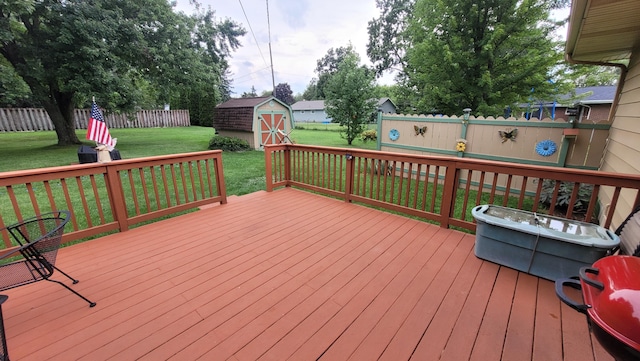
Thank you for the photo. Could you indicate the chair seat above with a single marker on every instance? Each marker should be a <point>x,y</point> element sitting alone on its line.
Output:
<point>20,273</point>
<point>39,239</point>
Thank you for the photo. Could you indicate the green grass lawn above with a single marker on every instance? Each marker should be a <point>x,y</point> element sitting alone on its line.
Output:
<point>244,171</point>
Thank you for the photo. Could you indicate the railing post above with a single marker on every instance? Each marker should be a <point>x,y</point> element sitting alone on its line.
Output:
<point>448,194</point>
<point>287,165</point>
<point>222,188</point>
<point>116,197</point>
<point>268,168</point>
<point>348,188</point>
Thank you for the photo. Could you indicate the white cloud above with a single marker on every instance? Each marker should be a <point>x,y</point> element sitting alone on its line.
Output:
<point>302,31</point>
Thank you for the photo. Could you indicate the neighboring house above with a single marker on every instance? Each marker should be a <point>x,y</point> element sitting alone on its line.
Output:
<point>259,121</point>
<point>589,104</point>
<point>607,33</point>
<point>312,111</point>
<point>386,106</point>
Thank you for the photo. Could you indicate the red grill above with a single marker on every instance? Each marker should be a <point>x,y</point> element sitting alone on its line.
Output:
<point>611,295</point>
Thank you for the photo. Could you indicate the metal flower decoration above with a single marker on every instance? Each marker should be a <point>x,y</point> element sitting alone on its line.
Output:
<point>461,145</point>
<point>546,147</point>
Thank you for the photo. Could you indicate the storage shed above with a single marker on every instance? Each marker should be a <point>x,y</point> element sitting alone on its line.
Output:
<point>259,121</point>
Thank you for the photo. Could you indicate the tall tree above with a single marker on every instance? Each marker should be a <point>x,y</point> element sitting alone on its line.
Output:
<point>311,92</point>
<point>67,51</point>
<point>328,65</point>
<point>589,75</point>
<point>349,96</point>
<point>483,55</point>
<point>251,93</point>
<point>387,40</point>
<point>284,93</point>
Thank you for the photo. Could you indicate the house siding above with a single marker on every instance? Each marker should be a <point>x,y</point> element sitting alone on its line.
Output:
<point>311,116</point>
<point>623,151</point>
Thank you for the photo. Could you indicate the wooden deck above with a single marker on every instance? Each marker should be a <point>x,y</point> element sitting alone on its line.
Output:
<point>291,275</point>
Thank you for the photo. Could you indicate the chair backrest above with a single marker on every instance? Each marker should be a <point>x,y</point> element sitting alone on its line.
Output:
<point>629,232</point>
<point>45,230</point>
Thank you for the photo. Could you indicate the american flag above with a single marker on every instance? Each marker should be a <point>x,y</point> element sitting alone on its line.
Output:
<point>97,129</point>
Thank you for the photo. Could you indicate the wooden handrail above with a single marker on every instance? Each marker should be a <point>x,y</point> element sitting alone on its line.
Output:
<point>107,197</point>
<point>445,189</point>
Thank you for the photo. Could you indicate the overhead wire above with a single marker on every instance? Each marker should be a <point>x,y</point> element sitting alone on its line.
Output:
<point>273,79</point>
<point>252,33</point>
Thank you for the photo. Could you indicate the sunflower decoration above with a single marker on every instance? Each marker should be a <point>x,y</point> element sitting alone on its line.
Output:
<point>461,145</point>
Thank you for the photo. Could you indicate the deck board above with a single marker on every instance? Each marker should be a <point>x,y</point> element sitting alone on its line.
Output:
<point>291,275</point>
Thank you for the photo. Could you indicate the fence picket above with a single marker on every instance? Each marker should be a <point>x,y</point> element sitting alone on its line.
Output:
<point>36,119</point>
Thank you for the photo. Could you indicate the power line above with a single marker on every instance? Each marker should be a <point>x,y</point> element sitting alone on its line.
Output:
<point>253,72</point>
<point>252,33</point>
<point>273,77</point>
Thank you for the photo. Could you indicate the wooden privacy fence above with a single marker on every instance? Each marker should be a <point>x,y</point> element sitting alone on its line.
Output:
<point>33,119</point>
<point>112,196</point>
<point>445,189</point>
<point>572,145</point>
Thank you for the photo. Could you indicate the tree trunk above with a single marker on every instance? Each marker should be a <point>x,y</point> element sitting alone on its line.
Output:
<point>61,113</point>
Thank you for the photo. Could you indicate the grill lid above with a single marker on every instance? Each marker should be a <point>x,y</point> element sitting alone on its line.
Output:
<point>611,288</point>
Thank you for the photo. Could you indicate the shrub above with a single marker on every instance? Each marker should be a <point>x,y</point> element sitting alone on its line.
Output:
<point>370,134</point>
<point>228,144</point>
<point>564,195</point>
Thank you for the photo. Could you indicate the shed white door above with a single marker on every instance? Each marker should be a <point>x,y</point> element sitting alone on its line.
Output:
<point>270,123</point>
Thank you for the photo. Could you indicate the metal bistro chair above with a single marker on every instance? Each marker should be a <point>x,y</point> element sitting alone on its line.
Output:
<point>629,232</point>
<point>4,355</point>
<point>39,239</point>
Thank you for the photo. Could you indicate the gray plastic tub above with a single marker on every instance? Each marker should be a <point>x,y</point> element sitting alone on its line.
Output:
<point>542,245</point>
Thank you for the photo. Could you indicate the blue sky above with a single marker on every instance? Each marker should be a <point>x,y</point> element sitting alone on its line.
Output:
<point>302,31</point>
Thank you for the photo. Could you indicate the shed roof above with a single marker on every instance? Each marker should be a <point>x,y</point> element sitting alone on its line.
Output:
<point>243,102</point>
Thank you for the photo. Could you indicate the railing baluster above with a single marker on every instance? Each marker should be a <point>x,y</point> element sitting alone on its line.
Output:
<point>523,191</point>
<point>83,198</point>
<point>612,207</point>
<point>408,185</point>
<point>393,182</point>
<point>536,199</point>
<point>134,194</point>
<point>494,186</point>
<point>573,199</point>
<point>67,198</point>
<point>417,185</point>
<point>425,187</point>
<point>480,188</point>
<point>52,200</point>
<point>554,198</point>
<point>145,191</point>
<point>434,193</point>
<point>183,179</point>
<point>465,198</point>
<point>505,199</point>
<point>593,201</point>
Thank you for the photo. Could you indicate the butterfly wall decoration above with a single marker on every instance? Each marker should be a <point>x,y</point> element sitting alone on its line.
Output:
<point>508,135</point>
<point>420,130</point>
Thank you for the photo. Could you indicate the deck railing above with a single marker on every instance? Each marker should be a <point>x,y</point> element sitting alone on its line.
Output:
<point>105,197</point>
<point>445,189</point>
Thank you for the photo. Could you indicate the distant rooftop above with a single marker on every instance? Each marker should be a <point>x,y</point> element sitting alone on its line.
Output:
<point>308,105</point>
<point>593,95</point>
